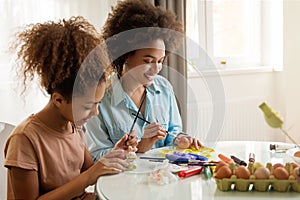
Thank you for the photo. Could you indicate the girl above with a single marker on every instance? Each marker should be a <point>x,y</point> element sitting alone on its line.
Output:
<point>45,155</point>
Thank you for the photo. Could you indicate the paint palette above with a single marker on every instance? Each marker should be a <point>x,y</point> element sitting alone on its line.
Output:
<point>204,151</point>
<point>262,185</point>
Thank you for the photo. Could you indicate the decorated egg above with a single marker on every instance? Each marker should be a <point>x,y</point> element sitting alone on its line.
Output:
<point>277,165</point>
<point>262,173</point>
<point>242,172</point>
<point>294,165</point>
<point>184,143</point>
<point>223,172</point>
<point>281,173</point>
<point>220,164</point>
<point>257,165</point>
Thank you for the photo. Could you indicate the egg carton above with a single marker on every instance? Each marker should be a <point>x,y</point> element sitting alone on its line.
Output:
<point>261,185</point>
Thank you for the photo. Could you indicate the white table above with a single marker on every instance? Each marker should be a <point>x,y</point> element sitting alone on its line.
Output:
<point>136,186</point>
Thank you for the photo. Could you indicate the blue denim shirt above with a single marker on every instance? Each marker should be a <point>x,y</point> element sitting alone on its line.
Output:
<point>115,116</point>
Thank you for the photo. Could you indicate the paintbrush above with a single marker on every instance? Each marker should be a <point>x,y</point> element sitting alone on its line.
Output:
<point>141,118</point>
<point>134,121</point>
<point>182,161</point>
<point>136,116</point>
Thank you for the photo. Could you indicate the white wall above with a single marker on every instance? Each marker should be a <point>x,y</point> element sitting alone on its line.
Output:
<point>281,90</point>
<point>243,119</point>
<point>292,65</point>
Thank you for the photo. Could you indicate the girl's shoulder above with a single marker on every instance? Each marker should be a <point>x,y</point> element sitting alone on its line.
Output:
<point>29,127</point>
<point>26,124</point>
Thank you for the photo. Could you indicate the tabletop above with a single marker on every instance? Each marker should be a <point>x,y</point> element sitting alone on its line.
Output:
<point>135,184</point>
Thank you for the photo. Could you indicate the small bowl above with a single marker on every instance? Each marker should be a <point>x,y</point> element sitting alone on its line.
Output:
<point>291,153</point>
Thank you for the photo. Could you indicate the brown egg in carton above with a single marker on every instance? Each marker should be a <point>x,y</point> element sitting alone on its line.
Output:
<point>251,182</point>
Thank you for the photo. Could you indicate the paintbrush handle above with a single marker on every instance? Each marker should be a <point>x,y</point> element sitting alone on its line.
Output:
<point>141,118</point>
<point>172,134</point>
<point>136,115</point>
<point>286,133</point>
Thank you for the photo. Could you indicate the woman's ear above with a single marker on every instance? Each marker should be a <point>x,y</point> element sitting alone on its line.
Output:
<point>57,99</point>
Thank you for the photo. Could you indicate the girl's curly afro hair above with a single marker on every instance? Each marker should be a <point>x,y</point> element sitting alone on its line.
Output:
<point>55,51</point>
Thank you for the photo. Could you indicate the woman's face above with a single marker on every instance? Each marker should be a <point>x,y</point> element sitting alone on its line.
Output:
<point>82,108</point>
<point>145,64</point>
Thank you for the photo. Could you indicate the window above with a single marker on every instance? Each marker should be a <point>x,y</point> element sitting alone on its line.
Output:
<point>235,34</point>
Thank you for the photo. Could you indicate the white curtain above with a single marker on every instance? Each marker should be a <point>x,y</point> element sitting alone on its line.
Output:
<point>15,14</point>
<point>177,72</point>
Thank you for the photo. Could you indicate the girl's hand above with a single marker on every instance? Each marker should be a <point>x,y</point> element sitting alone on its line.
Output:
<point>115,159</point>
<point>112,163</point>
<point>99,169</point>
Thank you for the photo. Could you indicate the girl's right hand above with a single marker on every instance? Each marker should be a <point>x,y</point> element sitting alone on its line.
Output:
<point>115,159</point>
<point>112,163</point>
<point>99,169</point>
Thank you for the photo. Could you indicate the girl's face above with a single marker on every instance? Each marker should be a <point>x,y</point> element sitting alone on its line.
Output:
<point>145,64</point>
<point>82,108</point>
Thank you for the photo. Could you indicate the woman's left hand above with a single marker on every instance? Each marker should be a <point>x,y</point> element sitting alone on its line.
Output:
<point>132,142</point>
<point>128,142</point>
<point>196,143</point>
<point>186,141</point>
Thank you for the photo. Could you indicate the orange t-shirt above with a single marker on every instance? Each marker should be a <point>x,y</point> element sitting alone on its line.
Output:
<point>58,158</point>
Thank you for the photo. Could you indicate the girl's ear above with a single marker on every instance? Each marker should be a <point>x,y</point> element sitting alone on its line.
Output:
<point>57,99</point>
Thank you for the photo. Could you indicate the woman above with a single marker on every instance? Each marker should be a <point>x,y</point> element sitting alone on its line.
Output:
<point>46,157</point>
<point>139,38</point>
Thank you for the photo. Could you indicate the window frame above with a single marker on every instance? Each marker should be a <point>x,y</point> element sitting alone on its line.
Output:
<point>270,45</point>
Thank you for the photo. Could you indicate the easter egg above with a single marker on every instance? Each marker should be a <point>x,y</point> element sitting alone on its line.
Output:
<point>257,165</point>
<point>262,173</point>
<point>242,172</point>
<point>277,165</point>
<point>294,165</point>
<point>184,143</point>
<point>223,172</point>
<point>281,173</point>
<point>220,164</point>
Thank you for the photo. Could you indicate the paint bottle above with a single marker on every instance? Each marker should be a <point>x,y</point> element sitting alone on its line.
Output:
<point>251,157</point>
<point>281,147</point>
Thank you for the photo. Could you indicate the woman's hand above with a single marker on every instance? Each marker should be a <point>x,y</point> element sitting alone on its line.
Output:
<point>128,142</point>
<point>152,133</point>
<point>186,141</point>
<point>195,143</point>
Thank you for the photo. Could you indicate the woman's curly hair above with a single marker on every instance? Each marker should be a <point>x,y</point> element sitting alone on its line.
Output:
<point>134,23</point>
<point>55,51</point>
